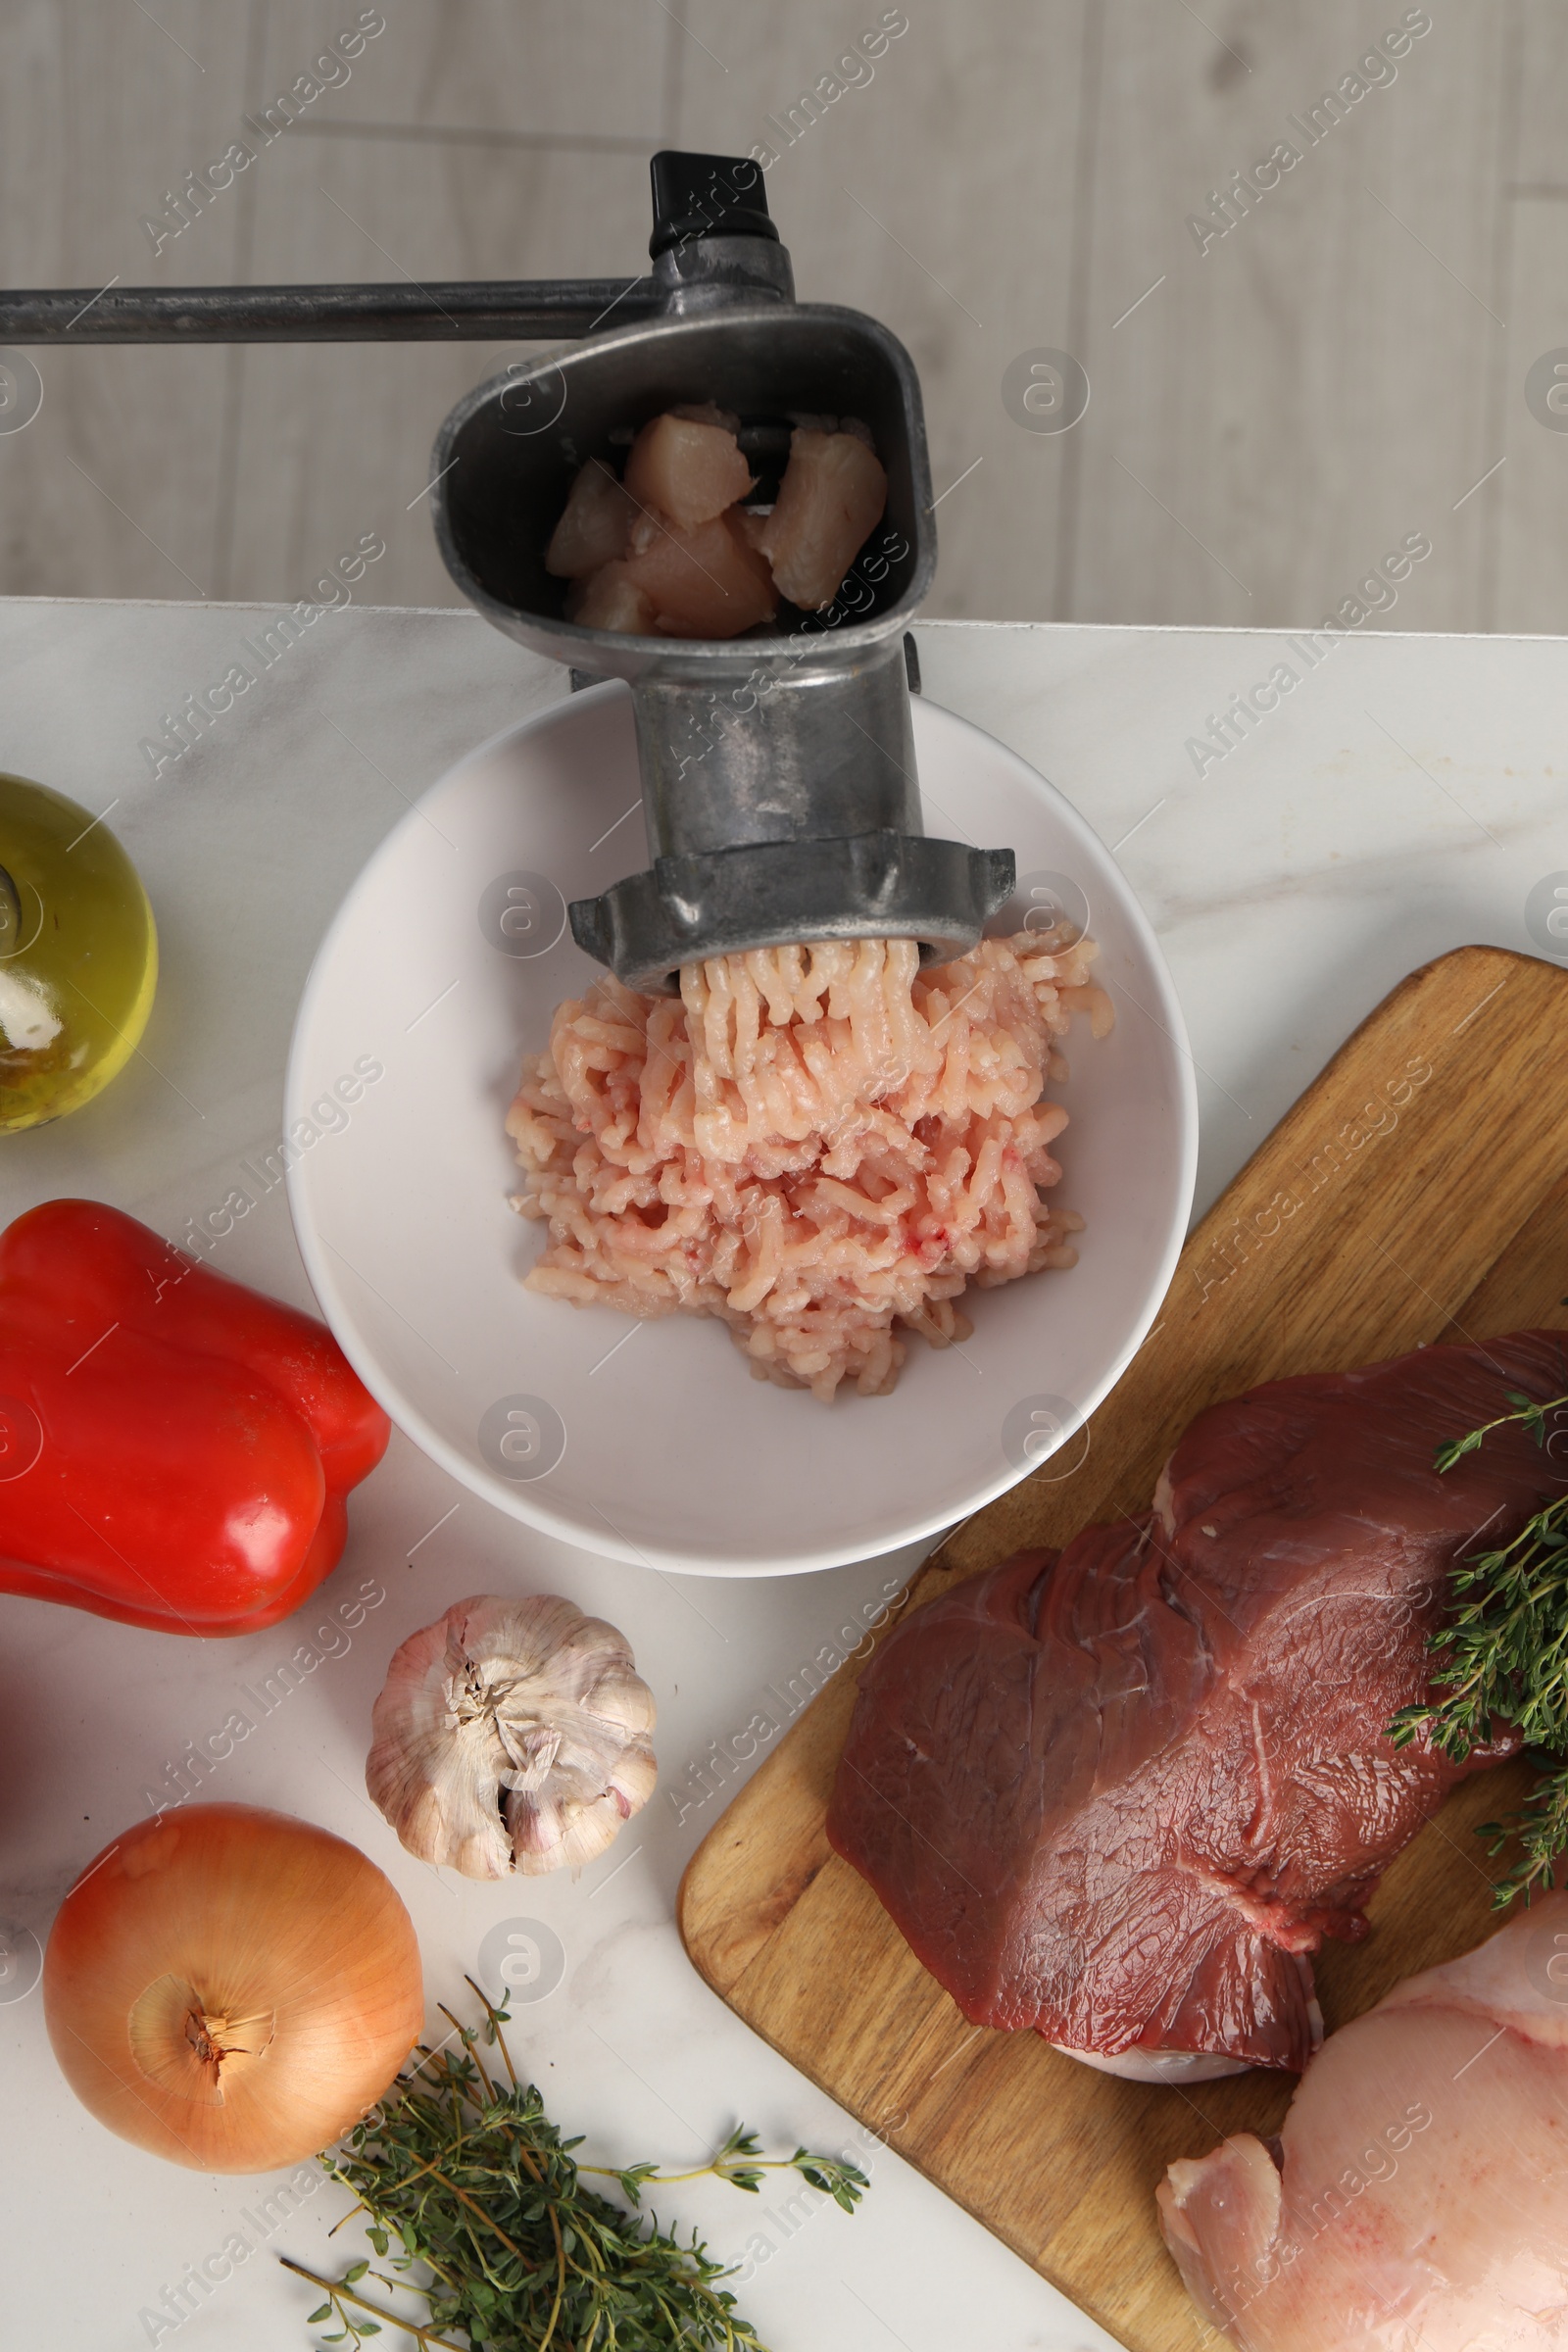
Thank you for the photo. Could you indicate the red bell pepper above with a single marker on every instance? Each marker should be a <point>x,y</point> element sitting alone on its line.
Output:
<point>175,1450</point>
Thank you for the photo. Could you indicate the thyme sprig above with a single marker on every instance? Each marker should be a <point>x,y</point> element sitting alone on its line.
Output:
<point>1503,1657</point>
<point>740,2162</point>
<point>463,2179</point>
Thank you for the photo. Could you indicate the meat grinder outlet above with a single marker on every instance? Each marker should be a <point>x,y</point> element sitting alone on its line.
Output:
<point>784,810</point>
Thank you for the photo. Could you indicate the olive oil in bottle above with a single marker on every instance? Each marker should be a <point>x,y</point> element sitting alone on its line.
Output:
<point>79,954</point>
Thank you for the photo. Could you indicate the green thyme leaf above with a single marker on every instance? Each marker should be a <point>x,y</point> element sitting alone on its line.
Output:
<point>1502,1657</point>
<point>464,2168</point>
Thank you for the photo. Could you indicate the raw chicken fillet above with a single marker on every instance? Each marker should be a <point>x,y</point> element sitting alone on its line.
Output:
<point>1121,1794</point>
<point>1420,2199</point>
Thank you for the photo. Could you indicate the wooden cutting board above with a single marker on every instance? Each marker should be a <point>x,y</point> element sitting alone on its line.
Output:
<point>1417,1192</point>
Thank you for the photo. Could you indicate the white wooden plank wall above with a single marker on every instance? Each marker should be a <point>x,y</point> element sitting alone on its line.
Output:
<point>1344,366</point>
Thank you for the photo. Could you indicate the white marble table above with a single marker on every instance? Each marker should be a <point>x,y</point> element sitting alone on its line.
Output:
<point>1404,796</point>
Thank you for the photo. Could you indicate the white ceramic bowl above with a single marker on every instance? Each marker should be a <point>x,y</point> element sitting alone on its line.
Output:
<point>651,1442</point>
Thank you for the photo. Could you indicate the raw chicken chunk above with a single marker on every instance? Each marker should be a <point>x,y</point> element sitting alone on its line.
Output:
<point>593,527</point>
<point>1420,2199</point>
<point>611,600</point>
<point>833,493</point>
<point>1121,1795</point>
<point>686,470</point>
<point>708,411</point>
<point>704,582</point>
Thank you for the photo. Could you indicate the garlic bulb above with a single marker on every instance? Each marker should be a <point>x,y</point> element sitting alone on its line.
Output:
<point>511,1735</point>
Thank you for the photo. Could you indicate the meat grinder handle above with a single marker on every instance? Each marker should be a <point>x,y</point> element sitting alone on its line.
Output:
<point>697,198</point>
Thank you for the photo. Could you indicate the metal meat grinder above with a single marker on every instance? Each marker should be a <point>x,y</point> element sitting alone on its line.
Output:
<point>778,772</point>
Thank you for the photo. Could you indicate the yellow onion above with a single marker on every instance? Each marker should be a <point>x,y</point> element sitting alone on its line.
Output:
<point>230,1988</point>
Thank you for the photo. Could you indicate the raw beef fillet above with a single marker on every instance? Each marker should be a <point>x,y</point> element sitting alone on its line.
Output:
<point>1120,1794</point>
<point>1421,2193</point>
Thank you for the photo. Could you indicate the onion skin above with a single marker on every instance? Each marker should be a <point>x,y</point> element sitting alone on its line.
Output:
<point>283,1929</point>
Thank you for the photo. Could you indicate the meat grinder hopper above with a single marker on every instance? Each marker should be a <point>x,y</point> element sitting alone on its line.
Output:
<point>778,767</point>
